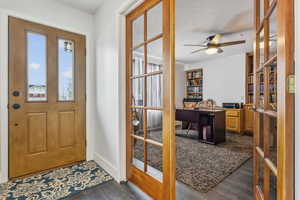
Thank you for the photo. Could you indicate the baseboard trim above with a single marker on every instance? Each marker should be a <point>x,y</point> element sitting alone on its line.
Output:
<point>107,166</point>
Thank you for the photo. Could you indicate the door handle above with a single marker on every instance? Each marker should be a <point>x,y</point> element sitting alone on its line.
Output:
<point>16,106</point>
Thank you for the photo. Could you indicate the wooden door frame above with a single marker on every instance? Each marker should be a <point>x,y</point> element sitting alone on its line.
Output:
<point>285,100</point>
<point>4,38</point>
<point>169,147</point>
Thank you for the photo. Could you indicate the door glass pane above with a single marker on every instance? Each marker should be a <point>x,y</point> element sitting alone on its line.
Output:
<point>138,31</point>
<point>273,34</point>
<point>154,161</point>
<point>154,21</point>
<point>261,7</point>
<point>138,153</point>
<point>154,56</point>
<point>261,48</point>
<point>138,61</point>
<point>36,67</point>
<point>261,90</point>
<point>138,122</point>
<point>273,86</point>
<point>261,131</point>
<point>138,91</point>
<point>261,174</point>
<point>154,125</point>
<point>155,90</point>
<point>65,70</point>
<point>273,141</point>
<point>273,186</point>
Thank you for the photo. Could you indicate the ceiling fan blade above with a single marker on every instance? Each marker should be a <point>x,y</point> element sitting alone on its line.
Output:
<point>216,39</point>
<point>230,43</point>
<point>199,50</point>
<point>195,45</point>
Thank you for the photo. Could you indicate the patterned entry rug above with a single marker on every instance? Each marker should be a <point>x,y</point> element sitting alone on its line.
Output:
<point>198,165</point>
<point>56,184</point>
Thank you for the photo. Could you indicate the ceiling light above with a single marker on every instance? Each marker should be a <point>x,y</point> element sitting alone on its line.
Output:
<point>211,51</point>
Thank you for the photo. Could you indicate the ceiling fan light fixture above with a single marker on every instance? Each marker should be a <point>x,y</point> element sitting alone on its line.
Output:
<point>211,51</point>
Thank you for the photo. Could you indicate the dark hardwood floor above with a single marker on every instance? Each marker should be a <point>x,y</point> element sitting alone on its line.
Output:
<point>237,186</point>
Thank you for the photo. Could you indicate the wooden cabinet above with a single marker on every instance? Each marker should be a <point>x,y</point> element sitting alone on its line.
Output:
<point>249,118</point>
<point>235,120</point>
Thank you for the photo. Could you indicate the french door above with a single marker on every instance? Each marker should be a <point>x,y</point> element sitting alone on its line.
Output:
<point>46,97</point>
<point>274,100</point>
<point>150,98</point>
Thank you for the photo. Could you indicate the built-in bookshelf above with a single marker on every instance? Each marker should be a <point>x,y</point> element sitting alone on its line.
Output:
<point>261,99</point>
<point>194,84</point>
<point>249,79</point>
<point>273,86</point>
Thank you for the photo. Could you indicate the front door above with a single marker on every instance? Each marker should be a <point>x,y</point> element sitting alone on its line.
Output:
<point>46,97</point>
<point>274,100</point>
<point>150,98</point>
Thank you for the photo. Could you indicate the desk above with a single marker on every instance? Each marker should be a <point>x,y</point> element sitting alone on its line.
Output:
<point>215,119</point>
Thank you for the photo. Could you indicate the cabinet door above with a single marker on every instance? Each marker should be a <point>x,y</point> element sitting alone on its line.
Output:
<point>249,119</point>
<point>232,123</point>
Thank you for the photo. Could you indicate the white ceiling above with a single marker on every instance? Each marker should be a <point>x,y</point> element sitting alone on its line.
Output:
<point>198,19</point>
<point>89,6</point>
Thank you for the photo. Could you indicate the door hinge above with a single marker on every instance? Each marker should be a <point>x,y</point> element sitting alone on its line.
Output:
<point>291,84</point>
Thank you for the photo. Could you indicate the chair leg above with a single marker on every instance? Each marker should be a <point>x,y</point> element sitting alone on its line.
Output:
<point>189,128</point>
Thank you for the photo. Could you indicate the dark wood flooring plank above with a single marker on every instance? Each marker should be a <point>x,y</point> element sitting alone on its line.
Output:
<point>237,186</point>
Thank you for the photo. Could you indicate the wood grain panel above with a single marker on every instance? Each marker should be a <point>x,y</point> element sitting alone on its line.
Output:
<point>66,129</point>
<point>42,141</point>
<point>37,132</point>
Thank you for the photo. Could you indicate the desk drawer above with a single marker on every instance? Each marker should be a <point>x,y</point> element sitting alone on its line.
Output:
<point>233,113</point>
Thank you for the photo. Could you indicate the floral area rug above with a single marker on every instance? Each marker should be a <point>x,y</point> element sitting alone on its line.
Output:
<point>198,165</point>
<point>56,184</point>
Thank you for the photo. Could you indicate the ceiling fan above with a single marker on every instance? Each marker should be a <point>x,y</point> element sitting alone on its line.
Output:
<point>212,46</point>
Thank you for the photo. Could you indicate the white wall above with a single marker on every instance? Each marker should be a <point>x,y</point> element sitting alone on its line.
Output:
<point>223,78</point>
<point>50,13</point>
<point>108,89</point>
<point>180,84</point>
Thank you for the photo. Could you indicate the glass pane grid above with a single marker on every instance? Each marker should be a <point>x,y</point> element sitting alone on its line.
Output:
<point>146,79</point>
<point>154,21</point>
<point>266,93</point>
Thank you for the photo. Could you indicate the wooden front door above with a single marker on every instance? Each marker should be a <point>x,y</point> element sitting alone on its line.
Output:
<point>274,100</point>
<point>150,98</point>
<point>46,97</point>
